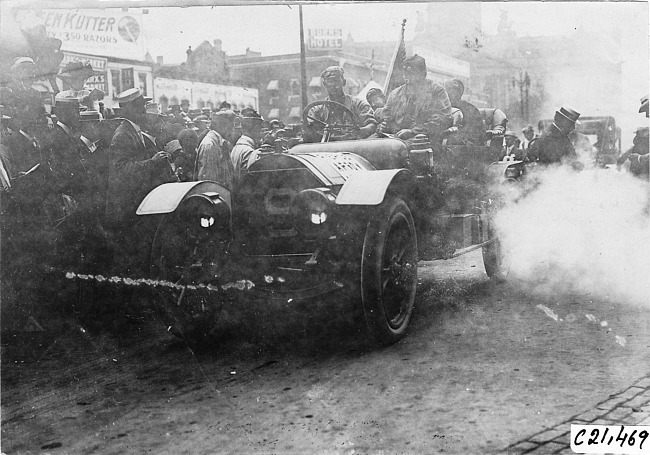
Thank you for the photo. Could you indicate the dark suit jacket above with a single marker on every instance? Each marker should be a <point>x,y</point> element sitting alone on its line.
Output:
<point>132,172</point>
<point>552,147</point>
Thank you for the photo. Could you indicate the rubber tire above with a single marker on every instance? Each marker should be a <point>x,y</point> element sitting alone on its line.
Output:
<point>191,316</point>
<point>387,319</point>
<point>495,261</point>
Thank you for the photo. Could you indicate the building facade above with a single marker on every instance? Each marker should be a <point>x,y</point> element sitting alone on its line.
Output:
<point>197,94</point>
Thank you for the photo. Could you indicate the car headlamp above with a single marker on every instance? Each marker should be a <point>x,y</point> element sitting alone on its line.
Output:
<point>206,213</point>
<point>311,210</point>
<point>512,172</point>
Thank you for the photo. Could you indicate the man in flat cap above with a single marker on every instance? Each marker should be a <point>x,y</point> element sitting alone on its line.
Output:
<point>529,137</point>
<point>74,77</point>
<point>333,79</point>
<point>554,146</point>
<point>248,142</point>
<point>213,160</point>
<point>638,155</point>
<point>377,101</point>
<point>419,106</point>
<point>202,125</point>
<point>136,166</point>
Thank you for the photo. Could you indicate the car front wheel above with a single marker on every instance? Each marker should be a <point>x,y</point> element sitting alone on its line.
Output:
<point>389,271</point>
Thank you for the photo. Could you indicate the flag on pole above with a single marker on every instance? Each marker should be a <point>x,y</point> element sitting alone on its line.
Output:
<point>395,77</point>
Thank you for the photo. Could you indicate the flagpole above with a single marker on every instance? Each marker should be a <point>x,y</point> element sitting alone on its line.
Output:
<point>392,62</point>
<point>303,62</point>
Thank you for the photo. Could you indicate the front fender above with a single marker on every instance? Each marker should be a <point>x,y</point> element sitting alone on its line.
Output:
<point>166,197</point>
<point>369,188</point>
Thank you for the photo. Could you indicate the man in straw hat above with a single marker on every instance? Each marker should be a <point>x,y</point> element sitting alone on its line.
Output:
<point>554,146</point>
<point>136,165</point>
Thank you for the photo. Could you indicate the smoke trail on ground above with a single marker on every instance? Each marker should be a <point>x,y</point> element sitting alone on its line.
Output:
<point>583,231</point>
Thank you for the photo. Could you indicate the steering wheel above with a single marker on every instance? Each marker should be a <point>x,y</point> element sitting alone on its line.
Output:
<point>326,129</point>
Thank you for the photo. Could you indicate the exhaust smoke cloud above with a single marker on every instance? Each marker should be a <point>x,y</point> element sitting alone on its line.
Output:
<point>586,232</point>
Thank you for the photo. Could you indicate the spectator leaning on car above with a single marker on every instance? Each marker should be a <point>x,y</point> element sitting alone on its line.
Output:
<point>136,166</point>
<point>213,161</point>
<point>243,153</point>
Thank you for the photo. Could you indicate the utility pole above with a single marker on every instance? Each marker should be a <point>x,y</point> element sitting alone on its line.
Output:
<point>523,81</point>
<point>303,62</point>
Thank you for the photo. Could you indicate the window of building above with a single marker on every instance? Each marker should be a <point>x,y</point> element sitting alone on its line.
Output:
<point>127,78</point>
<point>295,87</point>
<point>116,84</point>
<point>142,83</point>
<point>295,113</point>
<point>274,113</point>
<point>164,103</point>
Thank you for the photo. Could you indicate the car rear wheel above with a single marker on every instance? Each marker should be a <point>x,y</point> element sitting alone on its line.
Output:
<point>389,271</point>
<point>495,259</point>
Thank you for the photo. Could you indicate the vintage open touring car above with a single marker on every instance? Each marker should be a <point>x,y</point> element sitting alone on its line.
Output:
<point>352,216</point>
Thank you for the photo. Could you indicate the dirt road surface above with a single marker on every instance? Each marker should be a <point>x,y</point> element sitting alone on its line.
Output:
<point>484,365</point>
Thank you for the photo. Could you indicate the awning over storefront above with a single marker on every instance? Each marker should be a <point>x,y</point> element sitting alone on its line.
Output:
<point>351,82</point>
<point>273,85</point>
<point>274,113</point>
<point>295,112</point>
<point>315,81</point>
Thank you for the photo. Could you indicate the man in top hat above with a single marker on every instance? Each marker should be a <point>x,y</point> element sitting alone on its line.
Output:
<point>243,151</point>
<point>644,106</point>
<point>333,79</point>
<point>74,77</point>
<point>554,146</point>
<point>213,160</point>
<point>472,128</point>
<point>136,166</point>
<point>418,106</point>
<point>177,115</point>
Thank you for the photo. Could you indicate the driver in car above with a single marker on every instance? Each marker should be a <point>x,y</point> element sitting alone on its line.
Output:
<point>343,126</point>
